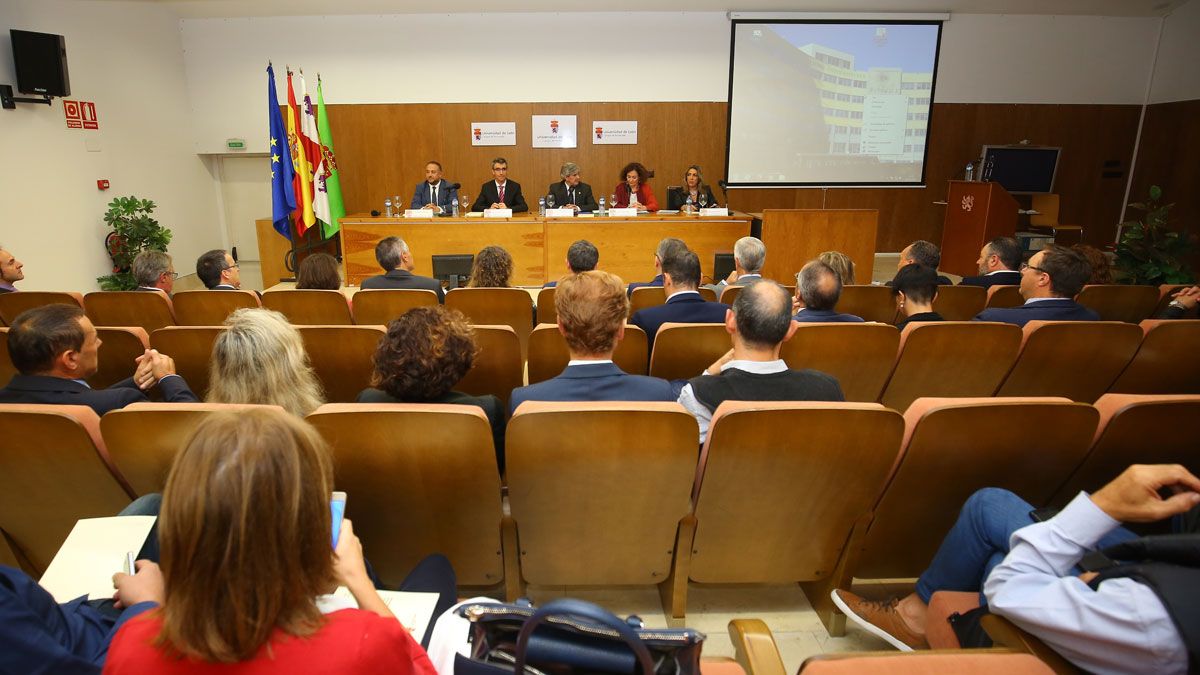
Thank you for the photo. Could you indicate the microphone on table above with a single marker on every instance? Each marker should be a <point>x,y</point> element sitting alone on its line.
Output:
<point>454,186</point>
<point>723,184</point>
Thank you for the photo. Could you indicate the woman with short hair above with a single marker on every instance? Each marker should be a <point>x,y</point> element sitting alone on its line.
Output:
<point>915,290</point>
<point>318,271</point>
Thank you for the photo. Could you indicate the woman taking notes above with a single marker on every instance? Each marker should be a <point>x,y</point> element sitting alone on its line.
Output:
<point>633,190</point>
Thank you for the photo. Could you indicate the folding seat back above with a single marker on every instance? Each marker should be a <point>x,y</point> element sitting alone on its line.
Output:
<point>119,347</point>
<point>548,354</point>
<point>872,303</point>
<point>684,350</point>
<point>952,662</point>
<point>860,355</point>
<point>341,357</point>
<point>953,447</point>
<point>546,313</point>
<point>1166,362</point>
<point>379,307</point>
<point>7,369</point>
<point>1075,359</point>
<point>512,307</point>
<point>960,303</point>
<point>730,293</point>
<point>1004,296</point>
<point>150,310</point>
<point>1120,302</point>
<point>419,479</point>
<point>13,304</point>
<point>56,471</point>
<point>646,296</point>
<point>968,358</point>
<point>191,348</point>
<point>498,366</point>
<point>210,308</point>
<point>310,307</point>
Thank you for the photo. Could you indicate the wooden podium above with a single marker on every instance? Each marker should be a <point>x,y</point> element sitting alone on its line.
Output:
<point>795,236</point>
<point>976,213</point>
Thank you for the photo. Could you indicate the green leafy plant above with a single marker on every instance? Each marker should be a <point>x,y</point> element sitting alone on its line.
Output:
<point>1149,251</point>
<point>133,230</point>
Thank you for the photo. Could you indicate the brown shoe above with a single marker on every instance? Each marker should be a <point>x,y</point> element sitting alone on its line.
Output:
<point>879,618</point>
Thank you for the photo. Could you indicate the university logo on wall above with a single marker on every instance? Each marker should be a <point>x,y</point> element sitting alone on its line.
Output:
<point>599,133</point>
<point>553,131</point>
<point>614,132</point>
<point>968,202</point>
<point>554,126</point>
<point>478,134</point>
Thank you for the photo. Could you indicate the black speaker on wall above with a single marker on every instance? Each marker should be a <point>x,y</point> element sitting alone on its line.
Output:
<point>41,63</point>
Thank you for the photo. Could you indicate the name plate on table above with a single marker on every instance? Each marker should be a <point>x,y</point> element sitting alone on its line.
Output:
<point>498,213</point>
<point>714,211</point>
<point>560,213</point>
<point>418,213</point>
<point>622,213</point>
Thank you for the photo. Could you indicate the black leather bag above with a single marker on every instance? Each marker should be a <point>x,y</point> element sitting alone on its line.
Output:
<point>572,637</point>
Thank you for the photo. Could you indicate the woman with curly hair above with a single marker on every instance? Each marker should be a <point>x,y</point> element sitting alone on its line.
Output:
<point>261,359</point>
<point>492,269</point>
<point>633,189</point>
<point>424,354</point>
<point>1101,267</point>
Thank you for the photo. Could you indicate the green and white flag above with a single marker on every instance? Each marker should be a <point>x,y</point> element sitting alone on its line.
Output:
<point>327,192</point>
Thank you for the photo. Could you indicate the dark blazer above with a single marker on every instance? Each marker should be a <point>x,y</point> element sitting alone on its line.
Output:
<point>61,391</point>
<point>488,195</point>
<point>677,198</point>
<point>690,308</point>
<point>1057,309</point>
<point>404,280</point>
<point>446,195</point>
<point>598,382</point>
<point>222,287</point>
<point>942,280</point>
<point>6,290</point>
<point>806,315</point>
<point>490,404</point>
<point>656,281</point>
<point>919,317</point>
<point>1004,278</point>
<point>583,196</point>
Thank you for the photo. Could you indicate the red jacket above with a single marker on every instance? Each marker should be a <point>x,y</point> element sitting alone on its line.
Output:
<point>645,196</point>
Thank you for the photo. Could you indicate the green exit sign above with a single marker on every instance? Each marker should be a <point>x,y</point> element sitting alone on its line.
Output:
<point>235,144</point>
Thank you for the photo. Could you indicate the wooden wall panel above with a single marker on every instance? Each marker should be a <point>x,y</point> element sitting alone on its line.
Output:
<point>1169,156</point>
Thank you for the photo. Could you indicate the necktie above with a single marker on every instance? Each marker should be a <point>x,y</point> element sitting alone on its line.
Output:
<point>433,195</point>
<point>571,195</point>
<point>501,194</point>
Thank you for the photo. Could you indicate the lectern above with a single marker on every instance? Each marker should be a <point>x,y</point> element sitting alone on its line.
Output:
<point>976,213</point>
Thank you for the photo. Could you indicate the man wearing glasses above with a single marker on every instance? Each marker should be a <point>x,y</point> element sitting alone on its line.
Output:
<point>500,192</point>
<point>154,271</point>
<point>219,271</point>
<point>1049,283</point>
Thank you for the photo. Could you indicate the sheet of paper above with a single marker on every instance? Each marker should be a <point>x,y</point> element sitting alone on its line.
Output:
<point>92,553</point>
<point>414,610</point>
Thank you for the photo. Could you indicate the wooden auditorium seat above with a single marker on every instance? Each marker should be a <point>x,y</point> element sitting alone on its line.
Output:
<point>546,313</point>
<point>860,355</point>
<point>341,357</point>
<point>1075,359</point>
<point>598,490</point>
<point>7,369</point>
<point>143,438</point>
<point>548,354</point>
<point>782,491</point>
<point>1167,361</point>
<point>960,303</point>
<point>1004,296</point>
<point>1119,302</point>
<point>938,631</point>
<point>13,304</point>
<point>149,309</point>
<point>379,307</point>
<point>512,307</point>
<point>953,447</point>
<point>310,307</point>
<point>498,367</point>
<point>421,479</point>
<point>119,347</point>
<point>56,471</point>
<point>730,293</point>
<point>951,662</point>
<point>210,308</point>
<point>191,347</point>
<point>937,358</point>
<point>684,350</point>
<point>871,303</point>
<point>649,296</point>
<point>754,647</point>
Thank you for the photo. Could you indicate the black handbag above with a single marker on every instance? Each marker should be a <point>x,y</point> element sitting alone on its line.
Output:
<point>572,637</point>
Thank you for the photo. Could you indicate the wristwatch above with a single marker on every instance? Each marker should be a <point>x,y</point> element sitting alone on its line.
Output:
<point>1177,305</point>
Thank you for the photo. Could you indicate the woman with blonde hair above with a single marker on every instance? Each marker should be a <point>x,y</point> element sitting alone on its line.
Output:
<point>841,263</point>
<point>493,268</point>
<point>260,358</point>
<point>248,566</point>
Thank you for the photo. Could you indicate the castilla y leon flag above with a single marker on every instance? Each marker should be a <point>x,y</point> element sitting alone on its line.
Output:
<point>303,176</point>
<point>327,188</point>
<point>283,197</point>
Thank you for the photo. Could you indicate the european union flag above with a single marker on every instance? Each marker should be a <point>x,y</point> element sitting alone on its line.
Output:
<point>283,198</point>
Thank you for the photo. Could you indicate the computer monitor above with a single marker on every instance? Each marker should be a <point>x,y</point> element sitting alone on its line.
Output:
<point>722,266</point>
<point>1021,169</point>
<point>453,270</point>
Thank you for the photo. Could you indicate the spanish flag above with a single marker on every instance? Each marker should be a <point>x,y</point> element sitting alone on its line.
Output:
<point>302,182</point>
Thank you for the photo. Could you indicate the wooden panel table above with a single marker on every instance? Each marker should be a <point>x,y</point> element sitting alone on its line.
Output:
<point>795,236</point>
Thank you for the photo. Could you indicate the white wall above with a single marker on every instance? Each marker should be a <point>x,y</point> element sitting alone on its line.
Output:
<point>1177,72</point>
<point>127,58</point>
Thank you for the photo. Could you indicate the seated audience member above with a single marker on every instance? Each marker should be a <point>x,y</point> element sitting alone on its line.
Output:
<point>582,256</point>
<point>681,278</point>
<point>10,271</point>
<point>55,348</point>
<point>434,193</point>
<point>999,264</point>
<point>218,271</point>
<point>923,253</point>
<point>571,192</point>
<point>425,353</point>
<point>591,309</point>
<point>1184,301</point>
<point>633,191</point>
<point>154,271</point>
<point>318,271</point>
<point>915,290</point>
<point>758,324</point>
<point>396,259</point>
<point>818,288</point>
<point>841,263</point>
<point>248,569</point>
<point>500,193</point>
<point>1101,267</point>
<point>693,187</point>
<point>667,247</point>
<point>493,268</point>
<point>749,254</point>
<point>1123,620</point>
<point>1049,283</point>
<point>261,359</point>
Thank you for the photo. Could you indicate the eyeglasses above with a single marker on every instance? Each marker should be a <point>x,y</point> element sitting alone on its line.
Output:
<point>234,266</point>
<point>1027,266</point>
<point>173,275</point>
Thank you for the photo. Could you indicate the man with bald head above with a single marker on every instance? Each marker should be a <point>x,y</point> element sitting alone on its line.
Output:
<point>758,324</point>
<point>818,287</point>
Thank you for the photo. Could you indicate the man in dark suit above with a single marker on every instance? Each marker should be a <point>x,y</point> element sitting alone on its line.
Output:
<point>758,324</point>
<point>55,348</point>
<point>571,193</point>
<point>500,193</point>
<point>667,247</point>
<point>582,256</point>
<point>393,256</point>
<point>154,271</point>
<point>1049,284</point>
<point>218,271</point>
<point>681,278</point>
<point>818,288</point>
<point>434,193</point>
<point>999,263</point>
<point>10,271</point>
<point>924,253</point>
<point>591,309</point>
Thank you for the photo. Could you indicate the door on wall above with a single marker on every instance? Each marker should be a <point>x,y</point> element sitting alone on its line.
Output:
<point>246,193</point>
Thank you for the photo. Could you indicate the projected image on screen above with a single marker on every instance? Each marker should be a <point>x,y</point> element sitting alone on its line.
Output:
<point>830,103</point>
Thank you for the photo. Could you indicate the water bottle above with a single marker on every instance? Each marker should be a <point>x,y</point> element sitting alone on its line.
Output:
<point>387,207</point>
<point>987,170</point>
<point>454,207</point>
<point>602,209</point>
<point>970,173</point>
<point>687,208</point>
<point>542,207</point>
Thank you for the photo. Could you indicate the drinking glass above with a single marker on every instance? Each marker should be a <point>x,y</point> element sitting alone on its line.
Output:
<point>703,200</point>
<point>549,201</point>
<point>612,199</point>
<point>466,203</point>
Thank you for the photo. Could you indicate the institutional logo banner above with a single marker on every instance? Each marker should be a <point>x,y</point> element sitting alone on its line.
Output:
<point>554,131</point>
<point>493,133</point>
<point>613,132</point>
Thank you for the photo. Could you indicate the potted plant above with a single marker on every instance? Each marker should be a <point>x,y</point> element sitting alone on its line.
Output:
<point>133,230</point>
<point>1149,252</point>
